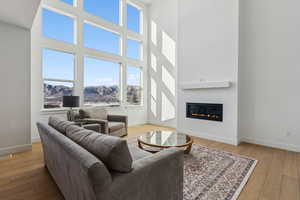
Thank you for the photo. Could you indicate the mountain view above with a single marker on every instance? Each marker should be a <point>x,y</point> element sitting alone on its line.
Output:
<point>93,95</point>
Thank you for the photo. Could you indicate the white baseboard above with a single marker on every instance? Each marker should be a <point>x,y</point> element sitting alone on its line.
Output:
<point>14,149</point>
<point>289,147</point>
<point>211,137</point>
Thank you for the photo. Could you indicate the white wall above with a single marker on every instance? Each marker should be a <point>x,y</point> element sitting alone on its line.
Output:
<point>15,87</point>
<point>20,13</point>
<point>162,102</point>
<point>269,73</point>
<point>208,49</point>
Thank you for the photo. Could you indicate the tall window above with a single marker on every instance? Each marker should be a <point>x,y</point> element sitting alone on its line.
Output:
<point>105,9</point>
<point>58,26</point>
<point>89,50</point>
<point>100,39</point>
<point>134,18</point>
<point>134,49</point>
<point>134,85</point>
<point>101,82</point>
<point>58,74</point>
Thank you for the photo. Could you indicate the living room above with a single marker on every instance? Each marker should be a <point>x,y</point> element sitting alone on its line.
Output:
<point>207,87</point>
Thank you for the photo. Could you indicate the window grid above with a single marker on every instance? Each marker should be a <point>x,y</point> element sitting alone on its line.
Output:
<point>80,17</point>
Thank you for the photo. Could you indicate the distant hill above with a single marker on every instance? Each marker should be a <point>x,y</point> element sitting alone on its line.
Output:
<point>92,95</point>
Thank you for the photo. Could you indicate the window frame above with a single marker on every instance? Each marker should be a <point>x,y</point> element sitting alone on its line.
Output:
<point>141,25</point>
<point>60,12</point>
<point>80,17</point>
<point>73,5</point>
<point>57,79</point>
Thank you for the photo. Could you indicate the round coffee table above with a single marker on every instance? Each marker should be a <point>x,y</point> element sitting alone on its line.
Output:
<point>156,141</point>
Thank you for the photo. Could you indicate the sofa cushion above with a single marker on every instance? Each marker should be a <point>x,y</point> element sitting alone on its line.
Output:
<point>59,124</point>
<point>112,151</point>
<point>114,126</point>
<point>94,113</point>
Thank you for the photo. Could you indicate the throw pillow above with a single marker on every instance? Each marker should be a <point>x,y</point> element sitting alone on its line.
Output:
<point>59,124</point>
<point>112,151</point>
<point>93,113</point>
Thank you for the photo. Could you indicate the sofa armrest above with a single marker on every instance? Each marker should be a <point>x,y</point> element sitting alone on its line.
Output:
<point>159,176</point>
<point>103,123</point>
<point>118,118</point>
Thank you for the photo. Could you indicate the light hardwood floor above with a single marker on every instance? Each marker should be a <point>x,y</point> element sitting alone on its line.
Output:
<point>276,177</point>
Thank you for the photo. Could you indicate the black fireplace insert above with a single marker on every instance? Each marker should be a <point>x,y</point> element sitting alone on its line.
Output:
<point>205,111</point>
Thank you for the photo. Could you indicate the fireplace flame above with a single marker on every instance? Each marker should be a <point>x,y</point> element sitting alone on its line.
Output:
<point>204,115</point>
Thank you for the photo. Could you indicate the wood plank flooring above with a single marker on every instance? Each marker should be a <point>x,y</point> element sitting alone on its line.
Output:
<point>276,177</point>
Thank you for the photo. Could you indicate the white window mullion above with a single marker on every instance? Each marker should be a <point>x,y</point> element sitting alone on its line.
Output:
<point>124,32</point>
<point>58,80</point>
<point>121,93</point>
<point>124,83</point>
<point>79,78</point>
<point>144,27</point>
<point>79,81</point>
<point>124,51</point>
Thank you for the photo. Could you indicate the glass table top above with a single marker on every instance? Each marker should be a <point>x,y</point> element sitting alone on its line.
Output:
<point>164,138</point>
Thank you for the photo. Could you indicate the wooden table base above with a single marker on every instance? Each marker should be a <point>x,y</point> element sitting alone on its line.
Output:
<point>188,147</point>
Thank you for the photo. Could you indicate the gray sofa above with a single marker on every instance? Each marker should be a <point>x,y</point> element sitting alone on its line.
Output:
<point>91,166</point>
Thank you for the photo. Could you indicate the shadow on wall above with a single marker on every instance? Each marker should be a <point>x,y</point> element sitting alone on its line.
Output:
<point>162,75</point>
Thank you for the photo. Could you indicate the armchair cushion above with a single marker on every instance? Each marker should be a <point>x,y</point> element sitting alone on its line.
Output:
<point>112,151</point>
<point>59,124</point>
<point>94,113</point>
<point>114,126</point>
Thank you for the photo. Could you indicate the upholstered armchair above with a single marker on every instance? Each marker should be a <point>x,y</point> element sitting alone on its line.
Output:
<point>73,116</point>
<point>115,125</point>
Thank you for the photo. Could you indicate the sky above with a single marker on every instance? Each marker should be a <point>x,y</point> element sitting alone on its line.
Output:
<point>59,65</point>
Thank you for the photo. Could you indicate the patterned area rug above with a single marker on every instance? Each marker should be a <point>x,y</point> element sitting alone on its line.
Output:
<point>211,174</point>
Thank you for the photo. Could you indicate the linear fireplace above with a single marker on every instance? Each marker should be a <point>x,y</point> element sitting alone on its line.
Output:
<point>205,111</point>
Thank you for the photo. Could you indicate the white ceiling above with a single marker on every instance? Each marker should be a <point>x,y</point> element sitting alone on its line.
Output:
<point>19,12</point>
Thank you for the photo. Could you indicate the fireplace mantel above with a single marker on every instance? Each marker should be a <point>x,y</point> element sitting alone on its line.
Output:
<point>205,85</point>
